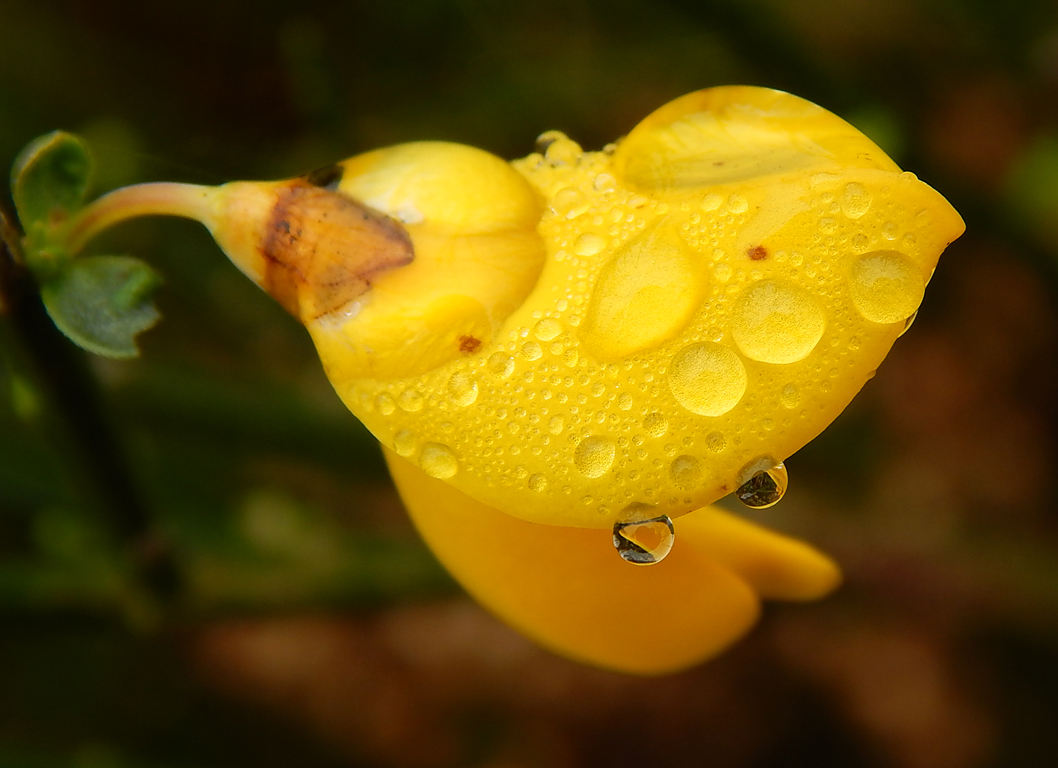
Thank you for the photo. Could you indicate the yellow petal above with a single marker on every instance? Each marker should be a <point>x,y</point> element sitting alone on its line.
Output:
<point>568,589</point>
<point>712,293</point>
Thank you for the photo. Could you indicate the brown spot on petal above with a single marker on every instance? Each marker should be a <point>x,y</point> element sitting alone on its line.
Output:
<point>468,344</point>
<point>757,253</point>
<point>322,249</point>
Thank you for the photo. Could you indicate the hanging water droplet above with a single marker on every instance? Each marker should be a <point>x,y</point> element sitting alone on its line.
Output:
<point>765,487</point>
<point>644,542</point>
<point>886,286</point>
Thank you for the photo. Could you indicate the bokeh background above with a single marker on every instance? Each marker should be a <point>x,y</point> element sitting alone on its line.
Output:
<point>202,561</point>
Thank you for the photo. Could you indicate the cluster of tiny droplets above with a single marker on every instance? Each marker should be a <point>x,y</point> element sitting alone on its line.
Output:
<point>539,412</point>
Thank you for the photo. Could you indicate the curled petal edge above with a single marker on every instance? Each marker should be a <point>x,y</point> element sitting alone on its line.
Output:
<point>569,591</point>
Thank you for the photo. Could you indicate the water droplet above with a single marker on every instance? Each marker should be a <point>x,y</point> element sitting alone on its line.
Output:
<point>711,202</point>
<point>604,182</point>
<point>886,286</point>
<point>588,244</point>
<point>765,486</point>
<point>385,405</point>
<point>569,201</point>
<point>737,204</point>
<point>571,357</point>
<point>462,388</point>
<point>774,321</point>
<point>644,295</point>
<point>598,389</point>
<point>855,200</point>
<point>656,425</point>
<point>438,461</point>
<point>500,364</point>
<point>716,441</point>
<point>790,396</point>
<point>644,542</point>
<point>547,329</point>
<point>404,443</point>
<point>594,456</point>
<point>890,230</point>
<point>624,402</point>
<point>556,424</point>
<point>410,401</point>
<point>558,149</point>
<point>908,323</point>
<point>532,351</point>
<point>707,379</point>
<point>537,483</point>
<point>686,472</point>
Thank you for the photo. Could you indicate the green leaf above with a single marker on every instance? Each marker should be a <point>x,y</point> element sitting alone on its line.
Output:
<point>102,302</point>
<point>49,178</point>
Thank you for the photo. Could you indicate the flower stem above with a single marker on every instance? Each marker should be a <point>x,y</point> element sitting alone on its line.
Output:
<point>162,198</point>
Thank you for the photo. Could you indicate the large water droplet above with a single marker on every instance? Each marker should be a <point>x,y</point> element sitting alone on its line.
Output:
<point>686,472</point>
<point>886,286</point>
<point>410,401</point>
<point>462,388</point>
<point>644,542</point>
<point>500,364</point>
<point>707,379</point>
<point>547,329</point>
<point>588,244</point>
<point>438,461</point>
<point>537,483</point>
<point>644,295</point>
<point>774,321</point>
<point>765,486</point>
<point>855,200</point>
<point>594,455</point>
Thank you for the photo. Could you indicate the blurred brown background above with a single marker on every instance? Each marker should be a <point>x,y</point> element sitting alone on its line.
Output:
<point>220,575</point>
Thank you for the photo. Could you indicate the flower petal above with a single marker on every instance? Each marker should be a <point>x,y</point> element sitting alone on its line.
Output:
<point>569,590</point>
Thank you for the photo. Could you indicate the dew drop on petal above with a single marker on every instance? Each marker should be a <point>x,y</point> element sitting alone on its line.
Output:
<point>462,388</point>
<point>385,405</point>
<point>886,286</point>
<point>547,329</point>
<point>686,472</point>
<point>404,443</point>
<point>537,483</point>
<point>765,485</point>
<point>644,541</point>
<point>500,364</point>
<point>437,460</point>
<point>588,244</point>
<point>775,321</point>
<point>410,401</point>
<point>707,379</point>
<point>908,323</point>
<point>855,200</point>
<point>594,456</point>
<point>656,425</point>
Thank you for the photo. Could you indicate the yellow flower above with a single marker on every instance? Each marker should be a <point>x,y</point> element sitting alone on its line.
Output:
<point>583,350</point>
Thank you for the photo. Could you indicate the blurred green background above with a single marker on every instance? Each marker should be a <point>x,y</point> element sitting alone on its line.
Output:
<point>202,562</point>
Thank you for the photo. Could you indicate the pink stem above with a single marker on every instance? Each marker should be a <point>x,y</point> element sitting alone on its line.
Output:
<point>162,198</point>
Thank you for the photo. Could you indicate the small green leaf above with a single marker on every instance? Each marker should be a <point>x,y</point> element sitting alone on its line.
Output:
<point>50,177</point>
<point>102,302</point>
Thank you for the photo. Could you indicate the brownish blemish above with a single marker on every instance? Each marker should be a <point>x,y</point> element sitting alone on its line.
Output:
<point>468,344</point>
<point>757,252</point>
<point>723,488</point>
<point>321,249</point>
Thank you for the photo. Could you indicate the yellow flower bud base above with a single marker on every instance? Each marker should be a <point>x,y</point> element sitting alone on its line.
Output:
<point>712,293</point>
